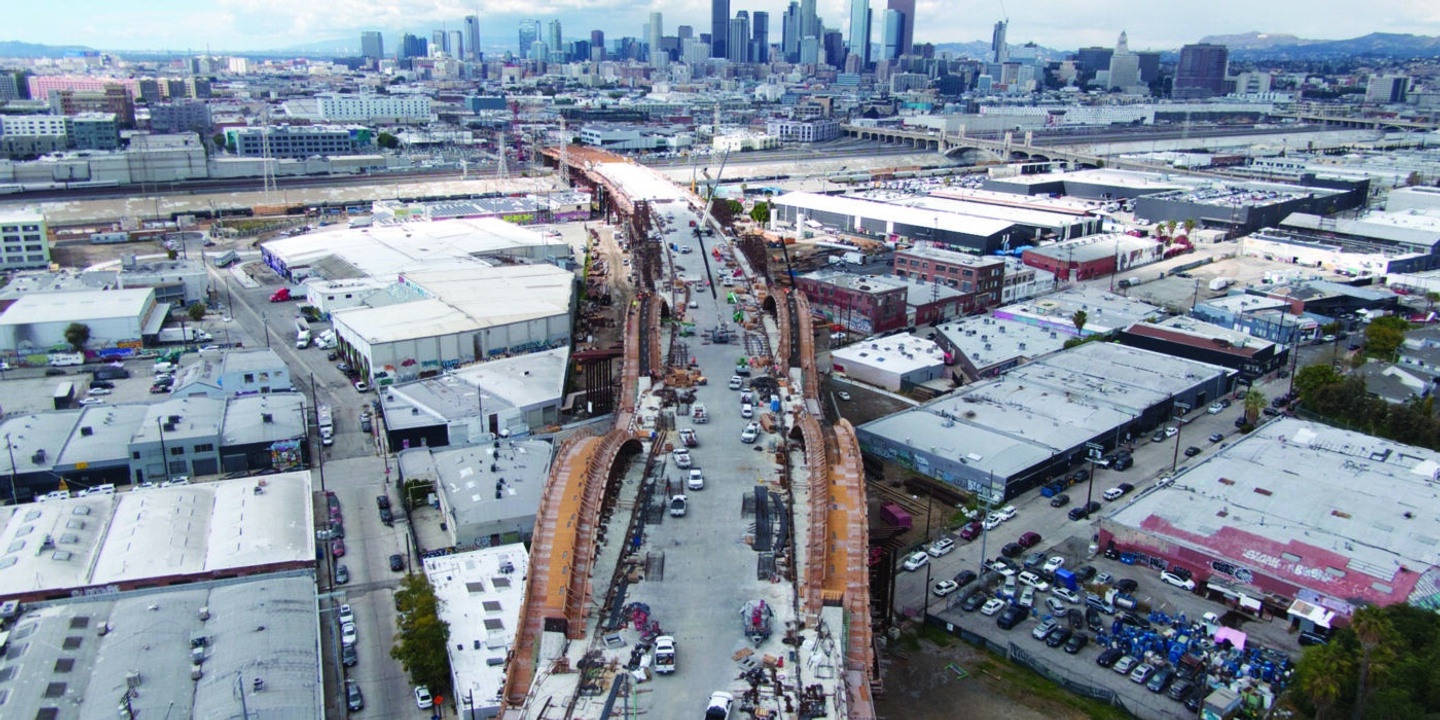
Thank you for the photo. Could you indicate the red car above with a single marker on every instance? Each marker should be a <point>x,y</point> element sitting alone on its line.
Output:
<point>971,531</point>
<point>1029,539</point>
<point>337,548</point>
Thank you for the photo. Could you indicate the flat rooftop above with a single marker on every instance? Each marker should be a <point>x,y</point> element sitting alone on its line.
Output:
<point>917,217</point>
<point>520,382</point>
<point>480,594</point>
<point>132,539</point>
<point>471,476</point>
<point>1005,213</point>
<point>1350,515</point>
<point>1144,183</point>
<point>387,249</point>
<point>463,300</point>
<point>1052,405</point>
<point>263,629</point>
<point>1095,247</point>
<point>1202,333</point>
<point>987,341</point>
<point>77,305</point>
<point>1104,311</point>
<point>898,354</point>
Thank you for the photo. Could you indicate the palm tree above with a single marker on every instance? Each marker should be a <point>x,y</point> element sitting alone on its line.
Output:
<point>1080,318</point>
<point>1254,403</point>
<point>1320,681</point>
<point>1189,226</point>
<point>1377,640</point>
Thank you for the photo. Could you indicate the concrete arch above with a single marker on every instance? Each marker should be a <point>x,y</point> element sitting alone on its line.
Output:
<point>1019,156</point>
<point>768,305</point>
<point>664,309</point>
<point>1039,158</point>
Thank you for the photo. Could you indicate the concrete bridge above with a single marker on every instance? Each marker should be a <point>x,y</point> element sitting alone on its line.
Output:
<point>1362,123</point>
<point>962,146</point>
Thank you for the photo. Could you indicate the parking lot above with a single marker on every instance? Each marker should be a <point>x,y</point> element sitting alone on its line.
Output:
<point>1071,542</point>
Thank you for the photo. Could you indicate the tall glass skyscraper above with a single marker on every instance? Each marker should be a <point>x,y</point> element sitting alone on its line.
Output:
<point>719,27</point>
<point>859,40</point>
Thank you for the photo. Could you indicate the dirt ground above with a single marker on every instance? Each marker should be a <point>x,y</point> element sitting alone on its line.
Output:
<point>924,685</point>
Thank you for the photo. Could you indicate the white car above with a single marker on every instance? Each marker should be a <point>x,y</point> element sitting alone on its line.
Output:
<point>943,546</point>
<point>92,401</point>
<point>750,433</point>
<point>678,505</point>
<point>719,706</point>
<point>696,480</point>
<point>348,634</point>
<point>176,481</point>
<point>843,395</point>
<point>1054,563</point>
<point>992,521</point>
<point>1179,580</point>
<point>1171,431</point>
<point>99,391</point>
<point>1066,594</point>
<point>992,606</point>
<point>747,410</point>
<point>1056,605</point>
<point>1215,409</point>
<point>1033,580</point>
<point>1113,494</point>
<point>1002,568</point>
<point>422,698</point>
<point>1006,513</point>
<point>682,458</point>
<point>916,560</point>
<point>347,616</point>
<point>945,587</point>
<point>735,382</point>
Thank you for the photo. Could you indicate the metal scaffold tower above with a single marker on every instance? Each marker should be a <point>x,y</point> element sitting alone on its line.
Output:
<point>267,162</point>
<point>564,174</point>
<point>502,171</point>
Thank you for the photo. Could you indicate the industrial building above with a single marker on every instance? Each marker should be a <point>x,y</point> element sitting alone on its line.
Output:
<point>984,347</point>
<point>1193,339</point>
<point>386,250</point>
<point>870,304</point>
<point>514,397</point>
<point>981,276</point>
<point>24,241</point>
<point>896,363</point>
<point>1105,312</point>
<point>35,324</point>
<point>1354,528</point>
<point>298,141</point>
<point>217,649</point>
<point>133,443</point>
<point>1375,243</point>
<point>480,594</point>
<point>488,493</point>
<point>1039,223</point>
<point>1265,318</point>
<point>234,372</point>
<point>1094,256</point>
<point>126,541</point>
<point>453,316</point>
<point>556,207</point>
<point>965,233</point>
<point>1001,437</point>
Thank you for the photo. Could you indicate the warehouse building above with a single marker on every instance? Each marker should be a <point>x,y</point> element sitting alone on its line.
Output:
<point>386,250</point>
<point>480,595</point>
<point>488,493</point>
<point>896,363</point>
<point>24,241</point>
<point>1266,318</point>
<point>1375,243</point>
<point>298,141</point>
<point>1356,527</point>
<point>126,541</point>
<point>35,324</point>
<point>1095,256</point>
<point>985,347</point>
<point>1105,312</point>
<point>980,276</point>
<point>999,438</point>
<point>234,372</point>
<point>965,233</point>
<point>1193,339</point>
<point>84,657</point>
<point>511,397</point>
<point>458,316</point>
<point>1038,224</point>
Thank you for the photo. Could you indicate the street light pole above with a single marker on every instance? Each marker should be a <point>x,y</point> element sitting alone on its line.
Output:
<point>929,511</point>
<point>14,496</point>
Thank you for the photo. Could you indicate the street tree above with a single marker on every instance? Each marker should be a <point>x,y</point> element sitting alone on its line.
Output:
<point>1079,319</point>
<point>196,311</point>
<point>421,646</point>
<point>77,334</point>
<point>1254,403</point>
<point>1313,377</point>
<point>1384,335</point>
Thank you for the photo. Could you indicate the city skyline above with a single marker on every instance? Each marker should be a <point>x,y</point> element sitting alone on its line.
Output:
<point>270,25</point>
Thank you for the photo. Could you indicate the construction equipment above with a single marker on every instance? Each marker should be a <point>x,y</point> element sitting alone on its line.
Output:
<point>755,618</point>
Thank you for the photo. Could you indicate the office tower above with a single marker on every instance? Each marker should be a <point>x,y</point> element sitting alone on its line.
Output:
<point>456,46</point>
<point>658,57</point>
<point>999,51</point>
<point>1149,66</point>
<point>439,42</point>
<point>411,47</point>
<point>529,34</point>
<point>760,37</point>
<point>890,42</point>
<point>1386,89</point>
<point>1124,66</point>
<point>597,45</point>
<point>810,50</point>
<point>790,33</point>
<point>906,8</point>
<point>372,45</point>
<point>1092,59</point>
<point>809,21</point>
<point>553,40</point>
<point>1200,73</point>
<point>472,37</point>
<point>683,33</point>
<point>860,30</point>
<point>737,42</point>
<point>719,28</point>
<point>833,44</point>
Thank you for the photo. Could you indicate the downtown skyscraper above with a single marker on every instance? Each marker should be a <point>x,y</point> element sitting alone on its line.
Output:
<point>906,8</point>
<point>859,38</point>
<point>719,27</point>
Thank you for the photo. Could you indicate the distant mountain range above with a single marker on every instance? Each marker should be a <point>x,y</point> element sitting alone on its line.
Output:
<point>1244,46</point>
<point>1268,46</point>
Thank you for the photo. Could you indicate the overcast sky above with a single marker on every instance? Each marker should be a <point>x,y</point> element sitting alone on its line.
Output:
<point>250,25</point>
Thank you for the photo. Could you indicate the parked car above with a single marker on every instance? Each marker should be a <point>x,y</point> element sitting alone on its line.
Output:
<point>1066,594</point>
<point>347,614</point>
<point>1177,578</point>
<point>992,606</point>
<point>944,587</point>
<point>1192,451</point>
<point>1141,673</point>
<point>1076,643</point>
<point>1056,605</point>
<point>916,560</point>
<point>1077,513</point>
<point>354,700</point>
<point>348,655</point>
<point>1011,617</point>
<point>1060,500</point>
<point>973,601</point>
<point>1112,494</point>
<point>1160,681</point>
<point>965,577</point>
<point>342,574</point>
<point>1033,580</point>
<point>1033,560</point>
<point>1029,539</point>
<point>696,480</point>
<point>397,562</point>
<point>940,547</point>
<point>1044,629</point>
<point>348,634</point>
<point>1059,636</point>
<point>1006,513</point>
<point>1126,585</point>
<point>971,531</point>
<point>678,506</point>
<point>1054,563</point>
<point>1216,437</point>
<point>1010,550</point>
<point>1109,656</point>
<point>422,698</point>
<point>1125,664</point>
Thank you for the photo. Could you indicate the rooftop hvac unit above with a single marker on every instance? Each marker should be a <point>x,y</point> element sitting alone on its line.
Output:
<point>132,679</point>
<point>196,672</point>
<point>169,427</point>
<point>267,418</point>
<point>87,431</point>
<point>173,419</point>
<point>38,457</point>
<point>987,346</point>
<point>204,613</point>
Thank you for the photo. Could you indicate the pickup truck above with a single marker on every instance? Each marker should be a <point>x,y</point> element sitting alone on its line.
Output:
<point>687,437</point>
<point>699,414</point>
<point>664,655</point>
